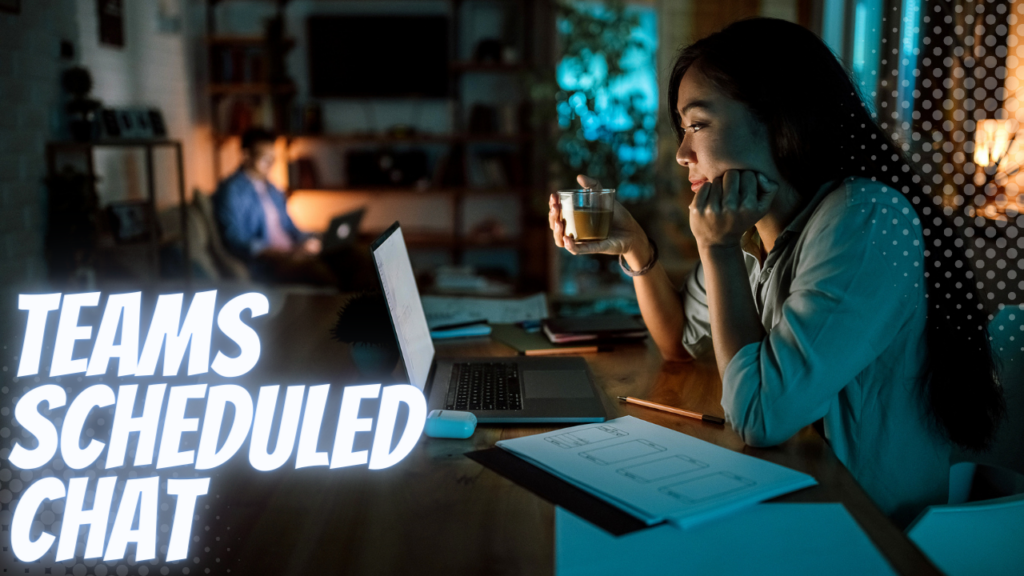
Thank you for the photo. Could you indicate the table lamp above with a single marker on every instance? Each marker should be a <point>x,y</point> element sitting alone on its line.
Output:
<point>993,141</point>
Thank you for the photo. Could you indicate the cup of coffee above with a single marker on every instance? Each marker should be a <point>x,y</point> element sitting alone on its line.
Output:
<point>587,213</point>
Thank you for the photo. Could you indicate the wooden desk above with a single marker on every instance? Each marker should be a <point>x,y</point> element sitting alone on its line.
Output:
<point>439,512</point>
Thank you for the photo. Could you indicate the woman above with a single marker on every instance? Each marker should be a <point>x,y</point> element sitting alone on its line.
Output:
<point>856,305</point>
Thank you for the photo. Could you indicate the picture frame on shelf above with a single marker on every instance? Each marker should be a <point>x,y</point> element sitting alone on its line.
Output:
<point>135,123</point>
<point>130,221</point>
<point>111,22</point>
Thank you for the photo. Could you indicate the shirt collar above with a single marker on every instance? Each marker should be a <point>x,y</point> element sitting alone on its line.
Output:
<point>260,184</point>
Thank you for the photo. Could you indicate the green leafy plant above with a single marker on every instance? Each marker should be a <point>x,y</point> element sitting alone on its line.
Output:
<point>363,319</point>
<point>605,129</point>
<point>602,122</point>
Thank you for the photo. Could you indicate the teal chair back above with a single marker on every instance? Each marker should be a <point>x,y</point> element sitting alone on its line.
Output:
<point>984,537</point>
<point>1006,335</point>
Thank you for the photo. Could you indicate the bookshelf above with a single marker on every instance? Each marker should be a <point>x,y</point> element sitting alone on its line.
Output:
<point>494,139</point>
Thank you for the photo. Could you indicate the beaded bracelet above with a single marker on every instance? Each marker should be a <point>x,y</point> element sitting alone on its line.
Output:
<point>645,269</point>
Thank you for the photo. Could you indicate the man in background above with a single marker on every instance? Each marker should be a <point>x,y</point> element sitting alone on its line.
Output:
<point>254,223</point>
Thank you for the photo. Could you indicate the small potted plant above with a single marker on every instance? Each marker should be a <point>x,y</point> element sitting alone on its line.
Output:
<point>81,109</point>
<point>363,323</point>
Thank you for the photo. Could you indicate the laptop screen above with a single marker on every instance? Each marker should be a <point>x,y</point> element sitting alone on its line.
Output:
<point>399,285</point>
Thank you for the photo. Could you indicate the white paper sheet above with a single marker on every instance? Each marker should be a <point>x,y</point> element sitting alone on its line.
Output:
<point>766,539</point>
<point>444,310</point>
<point>655,473</point>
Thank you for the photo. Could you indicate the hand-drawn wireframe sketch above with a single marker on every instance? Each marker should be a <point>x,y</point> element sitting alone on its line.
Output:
<point>586,436</point>
<point>622,452</point>
<point>707,487</point>
<point>662,469</point>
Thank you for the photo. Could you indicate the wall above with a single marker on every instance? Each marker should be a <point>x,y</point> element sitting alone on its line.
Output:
<point>152,69</point>
<point>29,100</point>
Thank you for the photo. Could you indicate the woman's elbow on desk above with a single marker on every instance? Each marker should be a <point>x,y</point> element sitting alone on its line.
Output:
<point>759,438</point>
<point>674,354</point>
<point>756,428</point>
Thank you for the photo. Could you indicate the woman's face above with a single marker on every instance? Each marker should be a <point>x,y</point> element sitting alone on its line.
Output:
<point>720,133</point>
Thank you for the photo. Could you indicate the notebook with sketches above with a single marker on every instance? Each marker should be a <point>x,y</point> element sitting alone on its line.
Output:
<point>654,473</point>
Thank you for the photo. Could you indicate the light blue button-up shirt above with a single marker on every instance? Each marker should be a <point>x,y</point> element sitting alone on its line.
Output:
<point>842,298</point>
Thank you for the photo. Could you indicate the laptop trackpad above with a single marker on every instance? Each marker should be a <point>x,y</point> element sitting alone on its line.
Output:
<point>556,384</point>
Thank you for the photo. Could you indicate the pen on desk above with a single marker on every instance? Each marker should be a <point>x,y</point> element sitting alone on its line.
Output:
<point>680,411</point>
<point>567,350</point>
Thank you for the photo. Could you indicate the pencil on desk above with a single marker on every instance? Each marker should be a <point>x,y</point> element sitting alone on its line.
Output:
<point>679,411</point>
<point>567,350</point>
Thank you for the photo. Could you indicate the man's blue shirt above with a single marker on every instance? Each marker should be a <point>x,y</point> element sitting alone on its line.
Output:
<point>241,219</point>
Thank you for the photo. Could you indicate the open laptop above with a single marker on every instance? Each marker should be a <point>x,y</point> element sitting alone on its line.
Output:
<point>500,390</point>
<point>343,231</point>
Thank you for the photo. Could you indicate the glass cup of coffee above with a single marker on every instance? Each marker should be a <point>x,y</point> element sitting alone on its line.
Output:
<point>587,213</point>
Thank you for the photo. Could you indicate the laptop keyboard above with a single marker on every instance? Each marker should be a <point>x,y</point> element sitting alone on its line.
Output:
<point>484,386</point>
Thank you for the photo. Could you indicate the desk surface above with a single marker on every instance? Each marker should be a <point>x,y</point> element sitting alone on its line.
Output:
<point>438,510</point>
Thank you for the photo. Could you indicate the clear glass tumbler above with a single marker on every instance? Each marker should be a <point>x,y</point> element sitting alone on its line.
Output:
<point>587,213</point>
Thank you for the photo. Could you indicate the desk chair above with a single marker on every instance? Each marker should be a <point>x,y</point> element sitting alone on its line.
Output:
<point>1006,335</point>
<point>980,530</point>
<point>207,251</point>
<point>981,537</point>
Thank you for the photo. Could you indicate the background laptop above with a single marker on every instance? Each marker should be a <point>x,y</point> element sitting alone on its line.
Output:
<point>343,231</point>
<point>510,389</point>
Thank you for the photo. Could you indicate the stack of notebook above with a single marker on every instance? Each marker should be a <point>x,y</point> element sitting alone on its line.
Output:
<point>594,329</point>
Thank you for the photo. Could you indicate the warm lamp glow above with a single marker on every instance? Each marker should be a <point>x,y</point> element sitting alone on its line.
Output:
<point>992,140</point>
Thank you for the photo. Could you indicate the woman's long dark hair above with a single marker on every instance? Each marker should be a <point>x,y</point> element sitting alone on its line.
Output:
<point>820,131</point>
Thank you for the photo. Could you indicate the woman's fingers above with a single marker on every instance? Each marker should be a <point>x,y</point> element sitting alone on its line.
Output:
<point>558,232</point>
<point>768,189</point>
<point>569,243</point>
<point>730,191</point>
<point>714,199</point>
<point>587,182</point>
<point>555,222</point>
<point>700,200</point>
<point>592,247</point>
<point>748,188</point>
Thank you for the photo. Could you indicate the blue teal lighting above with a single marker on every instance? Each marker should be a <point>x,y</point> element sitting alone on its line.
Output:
<point>866,41</point>
<point>639,84</point>
<point>910,31</point>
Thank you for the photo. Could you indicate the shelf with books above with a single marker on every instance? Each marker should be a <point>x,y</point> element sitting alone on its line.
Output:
<point>246,41</point>
<point>431,240</point>
<point>414,139</point>
<point>474,172</point>
<point>489,67</point>
<point>413,190</point>
<point>253,89</point>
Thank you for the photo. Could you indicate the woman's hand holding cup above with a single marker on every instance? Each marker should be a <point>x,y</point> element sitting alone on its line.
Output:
<point>624,235</point>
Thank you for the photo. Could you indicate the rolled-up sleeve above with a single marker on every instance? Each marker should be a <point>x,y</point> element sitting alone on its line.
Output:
<point>857,280</point>
<point>697,325</point>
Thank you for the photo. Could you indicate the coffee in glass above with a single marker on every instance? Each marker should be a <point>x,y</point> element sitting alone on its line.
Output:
<point>587,213</point>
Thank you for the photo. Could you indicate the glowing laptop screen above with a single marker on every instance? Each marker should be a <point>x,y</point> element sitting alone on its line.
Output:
<point>399,284</point>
